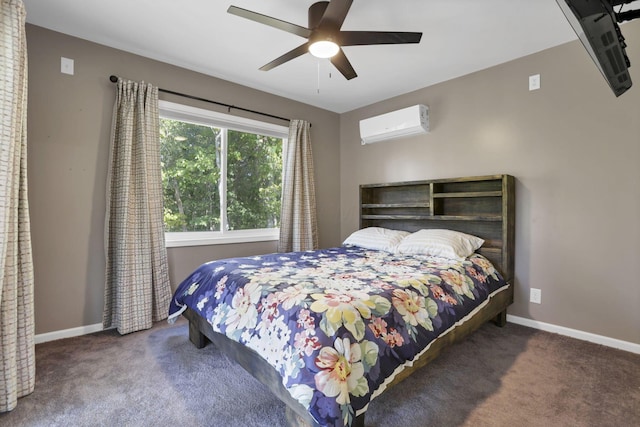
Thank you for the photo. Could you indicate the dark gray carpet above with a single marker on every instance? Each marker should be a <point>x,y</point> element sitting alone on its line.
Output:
<point>511,376</point>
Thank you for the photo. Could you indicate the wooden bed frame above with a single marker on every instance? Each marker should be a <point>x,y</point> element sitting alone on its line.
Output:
<point>483,206</point>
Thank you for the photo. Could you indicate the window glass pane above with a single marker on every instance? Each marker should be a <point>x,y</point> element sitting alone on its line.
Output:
<point>254,180</point>
<point>190,156</point>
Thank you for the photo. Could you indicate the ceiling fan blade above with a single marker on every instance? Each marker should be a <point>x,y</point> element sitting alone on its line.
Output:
<point>358,38</point>
<point>292,54</point>
<point>340,61</point>
<point>272,22</point>
<point>335,13</point>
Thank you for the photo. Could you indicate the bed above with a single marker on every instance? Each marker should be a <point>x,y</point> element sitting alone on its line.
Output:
<point>327,331</point>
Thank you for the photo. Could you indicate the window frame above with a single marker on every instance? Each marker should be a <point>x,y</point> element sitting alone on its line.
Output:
<point>200,116</point>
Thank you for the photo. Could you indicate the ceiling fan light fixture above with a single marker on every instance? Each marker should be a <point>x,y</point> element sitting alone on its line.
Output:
<point>323,49</point>
<point>325,38</point>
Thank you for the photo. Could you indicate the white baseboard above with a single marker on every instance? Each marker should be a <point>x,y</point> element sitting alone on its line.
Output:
<point>574,333</point>
<point>548,327</point>
<point>68,333</point>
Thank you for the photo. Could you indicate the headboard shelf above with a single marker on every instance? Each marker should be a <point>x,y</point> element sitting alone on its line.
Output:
<point>489,250</point>
<point>470,194</point>
<point>396,217</point>
<point>395,205</point>
<point>481,205</point>
<point>467,217</point>
<point>437,217</point>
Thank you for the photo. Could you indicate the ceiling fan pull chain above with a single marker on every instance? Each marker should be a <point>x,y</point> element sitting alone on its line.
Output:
<point>318,62</point>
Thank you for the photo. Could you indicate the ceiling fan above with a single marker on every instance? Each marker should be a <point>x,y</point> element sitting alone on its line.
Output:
<point>325,39</point>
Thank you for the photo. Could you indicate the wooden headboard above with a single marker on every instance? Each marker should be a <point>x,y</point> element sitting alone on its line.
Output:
<point>483,206</point>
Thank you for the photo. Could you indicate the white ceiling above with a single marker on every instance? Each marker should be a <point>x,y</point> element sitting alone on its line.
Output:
<point>459,37</point>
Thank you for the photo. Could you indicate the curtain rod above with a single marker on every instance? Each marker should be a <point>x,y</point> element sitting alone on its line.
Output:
<point>114,79</point>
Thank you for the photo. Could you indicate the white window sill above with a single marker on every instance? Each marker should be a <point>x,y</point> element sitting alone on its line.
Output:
<point>203,238</point>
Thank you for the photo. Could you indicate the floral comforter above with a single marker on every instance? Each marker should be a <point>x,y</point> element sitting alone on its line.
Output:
<point>338,324</point>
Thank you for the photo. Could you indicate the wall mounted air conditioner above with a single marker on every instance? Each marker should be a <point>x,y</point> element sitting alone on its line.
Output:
<point>396,124</point>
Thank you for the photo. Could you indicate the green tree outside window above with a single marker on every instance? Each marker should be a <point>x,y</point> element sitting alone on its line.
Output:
<point>192,156</point>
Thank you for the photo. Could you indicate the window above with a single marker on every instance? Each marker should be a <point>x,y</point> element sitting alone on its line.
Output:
<point>221,176</point>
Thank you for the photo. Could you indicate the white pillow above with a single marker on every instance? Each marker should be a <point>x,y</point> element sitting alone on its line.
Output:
<point>378,238</point>
<point>443,243</point>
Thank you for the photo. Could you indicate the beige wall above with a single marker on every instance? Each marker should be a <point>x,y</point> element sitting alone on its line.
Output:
<point>69,120</point>
<point>572,146</point>
<point>575,152</point>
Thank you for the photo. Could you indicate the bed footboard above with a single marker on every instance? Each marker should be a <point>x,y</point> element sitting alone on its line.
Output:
<point>200,332</point>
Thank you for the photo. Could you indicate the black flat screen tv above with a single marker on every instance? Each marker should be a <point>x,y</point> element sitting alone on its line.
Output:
<point>596,25</point>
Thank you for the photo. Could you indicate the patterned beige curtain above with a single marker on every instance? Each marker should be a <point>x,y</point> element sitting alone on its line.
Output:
<point>137,290</point>
<point>17,350</point>
<point>298,226</point>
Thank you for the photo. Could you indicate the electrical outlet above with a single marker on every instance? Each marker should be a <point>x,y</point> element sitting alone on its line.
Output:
<point>535,296</point>
<point>534,82</point>
<point>66,65</point>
